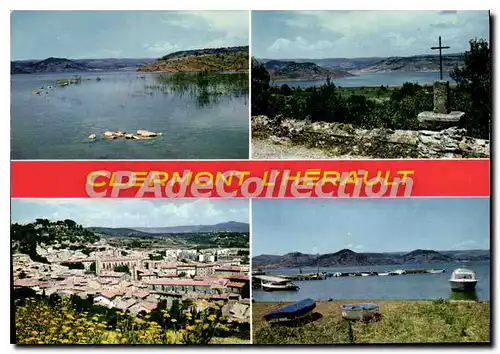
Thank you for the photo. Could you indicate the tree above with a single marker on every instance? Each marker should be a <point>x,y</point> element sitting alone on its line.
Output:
<point>260,89</point>
<point>474,79</point>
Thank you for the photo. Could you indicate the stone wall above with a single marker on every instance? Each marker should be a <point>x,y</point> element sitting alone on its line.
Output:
<point>343,139</point>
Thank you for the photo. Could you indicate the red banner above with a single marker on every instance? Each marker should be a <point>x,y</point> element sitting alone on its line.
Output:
<point>250,179</point>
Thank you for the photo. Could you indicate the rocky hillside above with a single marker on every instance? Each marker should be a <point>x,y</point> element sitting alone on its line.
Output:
<point>49,65</point>
<point>212,59</point>
<point>281,71</point>
<point>337,139</point>
<point>349,258</point>
<point>420,63</point>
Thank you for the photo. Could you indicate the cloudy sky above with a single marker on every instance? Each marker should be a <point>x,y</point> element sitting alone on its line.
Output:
<point>131,212</point>
<point>315,226</point>
<point>122,34</point>
<point>350,34</point>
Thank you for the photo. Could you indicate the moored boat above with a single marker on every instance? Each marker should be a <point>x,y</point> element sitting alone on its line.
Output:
<point>463,280</point>
<point>293,311</point>
<point>359,312</point>
<point>383,273</point>
<point>435,271</point>
<point>283,286</point>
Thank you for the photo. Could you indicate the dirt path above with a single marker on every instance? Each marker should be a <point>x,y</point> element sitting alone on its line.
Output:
<point>266,149</point>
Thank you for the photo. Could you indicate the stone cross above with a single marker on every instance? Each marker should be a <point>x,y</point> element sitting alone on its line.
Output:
<point>440,47</point>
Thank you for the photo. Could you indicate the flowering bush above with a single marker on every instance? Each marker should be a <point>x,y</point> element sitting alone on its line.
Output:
<point>42,322</point>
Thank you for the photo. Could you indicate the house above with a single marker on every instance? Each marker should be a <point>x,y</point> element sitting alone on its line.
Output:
<point>143,306</point>
<point>105,298</point>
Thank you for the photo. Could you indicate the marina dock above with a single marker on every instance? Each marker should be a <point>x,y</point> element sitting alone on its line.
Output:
<point>325,275</point>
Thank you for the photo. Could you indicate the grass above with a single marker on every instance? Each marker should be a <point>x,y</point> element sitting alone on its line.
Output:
<point>422,321</point>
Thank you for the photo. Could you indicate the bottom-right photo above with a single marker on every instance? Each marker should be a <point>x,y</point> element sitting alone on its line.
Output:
<point>394,270</point>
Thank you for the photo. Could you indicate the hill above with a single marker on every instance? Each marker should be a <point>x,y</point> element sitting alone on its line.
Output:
<point>302,71</point>
<point>77,65</point>
<point>48,65</point>
<point>231,226</point>
<point>210,59</point>
<point>334,63</point>
<point>349,258</point>
<point>420,63</point>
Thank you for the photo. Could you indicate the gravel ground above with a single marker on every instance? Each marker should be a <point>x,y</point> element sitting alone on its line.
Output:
<point>266,149</point>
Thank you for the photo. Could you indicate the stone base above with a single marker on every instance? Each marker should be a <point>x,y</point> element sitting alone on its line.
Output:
<point>438,121</point>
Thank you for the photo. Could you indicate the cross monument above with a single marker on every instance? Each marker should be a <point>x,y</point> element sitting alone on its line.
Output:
<point>440,47</point>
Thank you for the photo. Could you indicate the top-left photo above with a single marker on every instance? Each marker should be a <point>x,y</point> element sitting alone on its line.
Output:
<point>129,85</point>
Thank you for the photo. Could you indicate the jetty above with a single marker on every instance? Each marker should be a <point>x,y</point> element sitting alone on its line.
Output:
<point>325,275</point>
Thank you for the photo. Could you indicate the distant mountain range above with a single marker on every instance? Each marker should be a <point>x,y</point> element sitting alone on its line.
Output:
<point>289,70</point>
<point>417,63</point>
<point>78,65</point>
<point>350,258</point>
<point>231,226</point>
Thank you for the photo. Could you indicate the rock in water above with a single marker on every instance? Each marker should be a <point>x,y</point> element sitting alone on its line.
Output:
<point>146,133</point>
<point>110,135</point>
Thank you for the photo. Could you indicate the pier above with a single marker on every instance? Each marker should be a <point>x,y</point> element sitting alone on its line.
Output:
<point>325,275</point>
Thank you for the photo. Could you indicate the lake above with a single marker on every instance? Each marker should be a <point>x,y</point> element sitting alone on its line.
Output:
<point>375,79</point>
<point>399,287</point>
<point>197,122</point>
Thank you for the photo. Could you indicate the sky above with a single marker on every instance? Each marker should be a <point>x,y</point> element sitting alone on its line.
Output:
<point>280,226</point>
<point>122,34</point>
<point>131,212</point>
<point>350,34</point>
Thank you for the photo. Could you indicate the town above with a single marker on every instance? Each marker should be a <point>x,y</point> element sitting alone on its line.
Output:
<point>129,276</point>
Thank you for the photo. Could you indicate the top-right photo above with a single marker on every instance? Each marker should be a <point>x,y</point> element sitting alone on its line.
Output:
<point>371,84</point>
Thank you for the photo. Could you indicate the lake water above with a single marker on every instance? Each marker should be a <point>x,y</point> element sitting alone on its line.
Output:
<point>375,79</point>
<point>400,287</point>
<point>57,123</point>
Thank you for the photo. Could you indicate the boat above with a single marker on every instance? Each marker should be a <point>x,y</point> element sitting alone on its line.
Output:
<point>435,271</point>
<point>365,274</point>
<point>463,280</point>
<point>359,312</point>
<point>337,274</point>
<point>383,273</point>
<point>281,286</point>
<point>398,272</point>
<point>293,311</point>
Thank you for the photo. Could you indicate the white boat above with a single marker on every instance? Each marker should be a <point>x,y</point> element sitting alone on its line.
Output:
<point>359,312</point>
<point>283,286</point>
<point>398,272</point>
<point>337,274</point>
<point>384,273</point>
<point>463,280</point>
<point>435,271</point>
<point>365,274</point>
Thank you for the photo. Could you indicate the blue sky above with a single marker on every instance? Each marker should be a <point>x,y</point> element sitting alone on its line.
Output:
<point>132,212</point>
<point>323,226</point>
<point>349,34</point>
<point>122,34</point>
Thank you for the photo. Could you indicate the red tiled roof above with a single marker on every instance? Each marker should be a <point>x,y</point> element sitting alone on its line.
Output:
<point>108,294</point>
<point>148,305</point>
<point>231,269</point>
<point>236,277</point>
<point>236,285</point>
<point>179,282</point>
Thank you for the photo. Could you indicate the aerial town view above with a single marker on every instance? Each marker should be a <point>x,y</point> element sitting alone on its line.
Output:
<point>133,272</point>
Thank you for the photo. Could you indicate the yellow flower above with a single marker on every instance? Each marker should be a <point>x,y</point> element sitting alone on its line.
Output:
<point>166,315</point>
<point>173,320</point>
<point>124,340</point>
<point>34,333</point>
<point>206,325</point>
<point>153,323</point>
<point>211,318</point>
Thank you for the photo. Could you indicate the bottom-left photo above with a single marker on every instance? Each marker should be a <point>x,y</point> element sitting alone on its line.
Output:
<point>130,271</point>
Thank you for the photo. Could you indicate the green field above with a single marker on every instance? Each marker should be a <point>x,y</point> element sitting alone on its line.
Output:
<point>422,321</point>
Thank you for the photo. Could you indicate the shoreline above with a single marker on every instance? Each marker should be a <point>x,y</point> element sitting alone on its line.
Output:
<point>400,321</point>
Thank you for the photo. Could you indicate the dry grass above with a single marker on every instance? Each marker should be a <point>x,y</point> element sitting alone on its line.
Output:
<point>400,322</point>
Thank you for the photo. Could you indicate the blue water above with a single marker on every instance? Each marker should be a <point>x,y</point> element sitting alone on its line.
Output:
<point>57,123</point>
<point>374,79</point>
<point>400,287</point>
